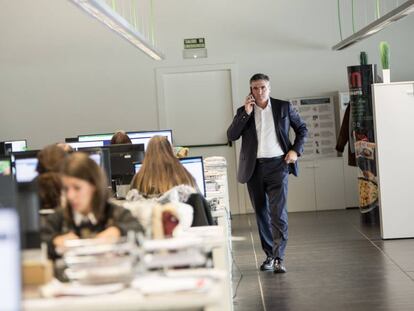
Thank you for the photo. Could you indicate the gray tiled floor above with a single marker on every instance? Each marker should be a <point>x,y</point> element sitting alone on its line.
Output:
<point>334,263</point>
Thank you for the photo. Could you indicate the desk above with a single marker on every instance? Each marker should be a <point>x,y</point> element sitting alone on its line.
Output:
<point>218,298</point>
<point>221,256</point>
<point>132,300</point>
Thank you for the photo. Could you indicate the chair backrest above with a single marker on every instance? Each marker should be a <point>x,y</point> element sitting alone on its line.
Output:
<point>202,210</point>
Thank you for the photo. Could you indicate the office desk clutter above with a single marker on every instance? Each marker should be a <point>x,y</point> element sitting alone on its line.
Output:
<point>217,193</point>
<point>152,250</point>
<point>101,261</point>
<point>142,207</point>
<point>215,172</point>
<point>191,208</point>
<point>98,266</point>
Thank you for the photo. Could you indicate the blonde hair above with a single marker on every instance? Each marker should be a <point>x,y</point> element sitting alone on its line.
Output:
<point>161,170</point>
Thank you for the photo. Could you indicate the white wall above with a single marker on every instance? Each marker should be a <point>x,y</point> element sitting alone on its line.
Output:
<point>63,73</point>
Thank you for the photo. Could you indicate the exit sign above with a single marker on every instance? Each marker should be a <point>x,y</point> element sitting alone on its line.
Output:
<point>194,43</point>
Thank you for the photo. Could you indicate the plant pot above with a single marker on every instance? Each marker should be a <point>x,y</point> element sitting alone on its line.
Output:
<point>385,76</point>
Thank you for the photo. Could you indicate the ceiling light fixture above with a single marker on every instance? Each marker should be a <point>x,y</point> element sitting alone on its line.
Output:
<point>403,10</point>
<point>103,13</point>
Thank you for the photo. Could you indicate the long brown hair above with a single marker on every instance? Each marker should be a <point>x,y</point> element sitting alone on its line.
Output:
<point>79,165</point>
<point>50,159</point>
<point>50,190</point>
<point>160,170</point>
<point>49,165</point>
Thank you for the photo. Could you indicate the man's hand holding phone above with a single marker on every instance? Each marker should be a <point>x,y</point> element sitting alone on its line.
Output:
<point>249,104</point>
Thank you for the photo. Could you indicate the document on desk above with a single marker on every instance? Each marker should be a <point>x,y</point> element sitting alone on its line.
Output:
<point>172,243</point>
<point>157,284</point>
<point>56,289</point>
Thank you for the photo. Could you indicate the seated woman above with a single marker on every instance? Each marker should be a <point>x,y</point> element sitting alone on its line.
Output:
<point>87,213</point>
<point>163,179</point>
<point>120,137</point>
<point>160,170</point>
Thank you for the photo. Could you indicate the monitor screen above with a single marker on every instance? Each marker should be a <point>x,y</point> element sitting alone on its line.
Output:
<point>17,145</point>
<point>132,135</point>
<point>141,140</point>
<point>149,134</point>
<point>25,169</point>
<point>137,166</point>
<point>10,287</point>
<point>95,137</point>
<point>86,144</point>
<point>102,157</point>
<point>194,165</point>
<point>96,157</point>
<point>5,166</point>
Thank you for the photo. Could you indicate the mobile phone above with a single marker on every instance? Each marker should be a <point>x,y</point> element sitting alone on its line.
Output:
<point>251,94</point>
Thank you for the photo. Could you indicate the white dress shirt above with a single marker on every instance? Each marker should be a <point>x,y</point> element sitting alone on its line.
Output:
<point>78,218</point>
<point>268,145</point>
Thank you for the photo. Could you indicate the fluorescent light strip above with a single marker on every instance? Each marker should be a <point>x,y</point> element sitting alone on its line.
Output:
<point>403,10</point>
<point>102,12</point>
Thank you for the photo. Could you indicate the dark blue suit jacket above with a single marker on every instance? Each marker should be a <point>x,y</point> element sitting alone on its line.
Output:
<point>285,117</point>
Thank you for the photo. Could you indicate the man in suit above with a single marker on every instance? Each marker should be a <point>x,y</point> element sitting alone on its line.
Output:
<point>267,157</point>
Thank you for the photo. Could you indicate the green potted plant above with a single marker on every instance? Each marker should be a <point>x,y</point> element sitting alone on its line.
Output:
<point>385,61</point>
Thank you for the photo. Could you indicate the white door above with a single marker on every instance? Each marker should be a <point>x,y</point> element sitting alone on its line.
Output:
<point>197,104</point>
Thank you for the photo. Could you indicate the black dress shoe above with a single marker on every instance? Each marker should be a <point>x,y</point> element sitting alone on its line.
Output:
<point>278,266</point>
<point>268,264</point>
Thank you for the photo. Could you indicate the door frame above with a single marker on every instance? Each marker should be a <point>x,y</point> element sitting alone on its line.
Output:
<point>161,107</point>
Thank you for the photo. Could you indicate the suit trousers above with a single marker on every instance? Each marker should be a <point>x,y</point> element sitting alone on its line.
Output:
<point>268,189</point>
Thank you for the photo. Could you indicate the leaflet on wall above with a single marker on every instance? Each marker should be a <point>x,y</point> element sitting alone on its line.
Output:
<point>318,114</point>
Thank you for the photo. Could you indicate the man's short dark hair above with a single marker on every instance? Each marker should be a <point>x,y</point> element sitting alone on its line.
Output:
<point>259,76</point>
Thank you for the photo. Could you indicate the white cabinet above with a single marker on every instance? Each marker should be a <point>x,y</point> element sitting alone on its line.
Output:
<point>320,186</point>
<point>329,184</point>
<point>393,122</point>
<point>301,191</point>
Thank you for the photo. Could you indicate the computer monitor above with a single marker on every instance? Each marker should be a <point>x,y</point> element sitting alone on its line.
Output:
<point>122,161</point>
<point>71,139</point>
<point>95,137</point>
<point>150,134</point>
<point>10,284</point>
<point>194,165</point>
<point>96,157</point>
<point>141,140</point>
<point>106,137</point>
<point>7,183</point>
<point>103,158</point>
<point>27,197</point>
<point>86,144</point>
<point>28,207</point>
<point>7,147</point>
<point>5,166</point>
<point>17,145</point>
<point>25,166</point>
